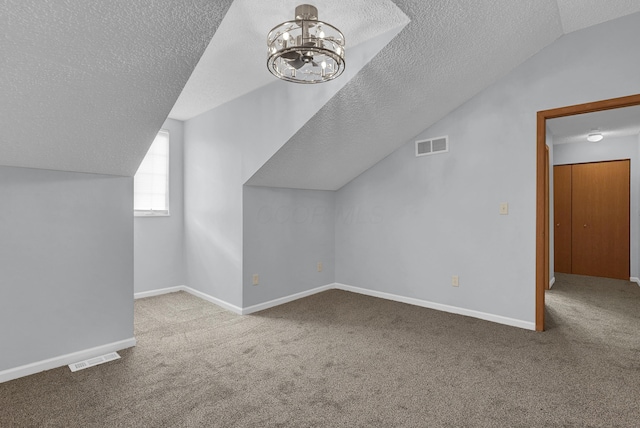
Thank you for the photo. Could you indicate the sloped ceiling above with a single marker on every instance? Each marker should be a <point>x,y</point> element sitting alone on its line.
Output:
<point>579,14</point>
<point>447,53</point>
<point>237,55</point>
<point>85,85</point>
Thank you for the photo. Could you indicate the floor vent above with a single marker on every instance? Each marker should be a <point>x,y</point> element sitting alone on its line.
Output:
<point>93,361</point>
<point>432,146</point>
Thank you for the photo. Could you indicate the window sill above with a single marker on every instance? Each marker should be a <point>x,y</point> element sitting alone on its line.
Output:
<point>151,214</point>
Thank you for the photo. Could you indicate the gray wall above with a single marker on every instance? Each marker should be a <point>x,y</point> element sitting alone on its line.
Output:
<point>286,233</point>
<point>438,215</point>
<point>158,241</point>
<point>213,207</point>
<point>223,148</point>
<point>611,149</point>
<point>66,263</point>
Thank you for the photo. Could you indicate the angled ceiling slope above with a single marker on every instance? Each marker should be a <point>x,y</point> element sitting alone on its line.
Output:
<point>447,53</point>
<point>237,55</point>
<point>87,84</point>
<point>232,75</point>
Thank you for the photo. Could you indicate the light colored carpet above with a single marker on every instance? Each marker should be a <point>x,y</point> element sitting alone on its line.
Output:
<point>339,359</point>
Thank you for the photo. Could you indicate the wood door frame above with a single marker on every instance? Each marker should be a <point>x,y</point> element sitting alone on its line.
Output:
<point>547,214</point>
<point>542,206</point>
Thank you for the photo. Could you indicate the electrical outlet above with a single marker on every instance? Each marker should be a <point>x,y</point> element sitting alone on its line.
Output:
<point>256,279</point>
<point>319,266</point>
<point>504,208</point>
<point>454,281</point>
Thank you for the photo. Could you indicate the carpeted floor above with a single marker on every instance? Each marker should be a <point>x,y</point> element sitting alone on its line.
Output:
<point>339,359</point>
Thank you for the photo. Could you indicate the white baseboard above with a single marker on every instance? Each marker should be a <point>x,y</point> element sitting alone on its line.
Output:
<point>158,292</point>
<point>63,360</point>
<point>635,279</point>
<point>270,304</point>
<point>214,300</point>
<point>192,291</point>
<point>440,307</point>
<point>553,281</point>
<point>233,308</point>
<point>410,300</point>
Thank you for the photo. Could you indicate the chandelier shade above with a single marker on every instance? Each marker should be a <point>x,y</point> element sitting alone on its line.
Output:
<point>305,50</point>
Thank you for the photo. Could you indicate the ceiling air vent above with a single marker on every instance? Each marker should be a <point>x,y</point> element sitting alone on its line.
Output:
<point>432,146</point>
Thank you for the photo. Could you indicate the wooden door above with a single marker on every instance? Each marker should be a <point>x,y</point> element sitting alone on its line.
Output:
<point>562,218</point>
<point>600,219</point>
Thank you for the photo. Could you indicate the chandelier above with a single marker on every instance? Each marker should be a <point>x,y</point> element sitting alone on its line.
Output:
<point>305,50</point>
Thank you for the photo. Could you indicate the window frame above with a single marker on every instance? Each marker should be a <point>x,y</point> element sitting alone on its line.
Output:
<point>152,212</point>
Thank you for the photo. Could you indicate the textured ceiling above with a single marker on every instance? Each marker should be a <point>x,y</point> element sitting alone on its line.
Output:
<point>611,123</point>
<point>237,55</point>
<point>578,14</point>
<point>86,85</point>
<point>449,52</point>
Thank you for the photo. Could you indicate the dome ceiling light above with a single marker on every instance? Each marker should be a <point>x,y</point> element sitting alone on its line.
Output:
<point>595,136</point>
<point>305,50</point>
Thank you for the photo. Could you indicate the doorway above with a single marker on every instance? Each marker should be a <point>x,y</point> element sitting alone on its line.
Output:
<point>542,181</point>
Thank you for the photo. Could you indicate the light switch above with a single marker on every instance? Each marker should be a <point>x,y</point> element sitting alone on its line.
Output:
<point>504,208</point>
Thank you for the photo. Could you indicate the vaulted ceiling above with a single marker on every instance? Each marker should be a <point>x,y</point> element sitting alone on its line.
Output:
<point>237,55</point>
<point>449,52</point>
<point>86,85</point>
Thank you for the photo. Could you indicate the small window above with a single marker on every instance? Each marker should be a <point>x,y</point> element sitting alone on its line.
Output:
<point>151,182</point>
